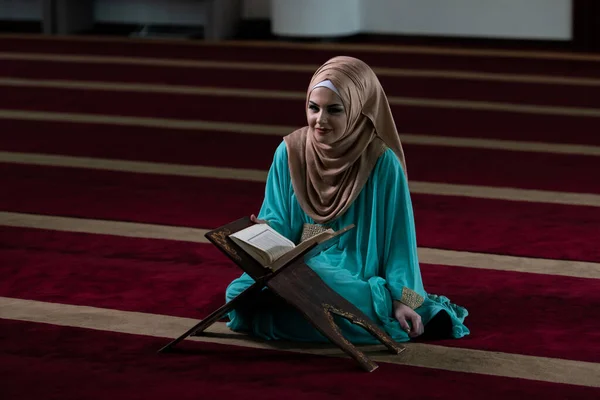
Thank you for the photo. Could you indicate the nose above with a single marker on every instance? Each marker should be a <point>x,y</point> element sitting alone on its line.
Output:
<point>322,118</point>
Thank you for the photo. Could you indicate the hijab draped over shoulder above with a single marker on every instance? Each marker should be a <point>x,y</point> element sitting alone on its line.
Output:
<point>328,177</point>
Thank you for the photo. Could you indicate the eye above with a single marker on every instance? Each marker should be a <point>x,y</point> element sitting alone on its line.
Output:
<point>335,110</point>
<point>312,107</point>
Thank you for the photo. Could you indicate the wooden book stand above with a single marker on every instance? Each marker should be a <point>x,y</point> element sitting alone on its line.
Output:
<point>300,287</point>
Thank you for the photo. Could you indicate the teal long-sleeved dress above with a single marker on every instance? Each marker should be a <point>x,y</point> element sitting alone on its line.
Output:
<point>370,266</point>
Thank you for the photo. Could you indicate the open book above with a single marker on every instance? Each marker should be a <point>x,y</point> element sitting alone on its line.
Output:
<point>273,250</point>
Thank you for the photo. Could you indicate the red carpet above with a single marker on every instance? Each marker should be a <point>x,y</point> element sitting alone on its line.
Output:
<point>409,119</point>
<point>115,141</point>
<point>461,223</point>
<point>526,170</point>
<point>118,282</point>
<point>519,313</point>
<point>64,363</point>
<point>439,88</point>
<point>495,125</point>
<point>291,55</point>
<point>190,279</point>
<point>197,147</point>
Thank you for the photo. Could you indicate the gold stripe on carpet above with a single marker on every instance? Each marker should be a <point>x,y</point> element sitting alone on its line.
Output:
<point>502,193</point>
<point>198,171</point>
<point>279,130</point>
<point>366,47</point>
<point>579,269</point>
<point>497,144</point>
<point>289,95</point>
<point>134,166</point>
<point>146,122</point>
<point>419,355</point>
<point>303,68</point>
<point>103,227</point>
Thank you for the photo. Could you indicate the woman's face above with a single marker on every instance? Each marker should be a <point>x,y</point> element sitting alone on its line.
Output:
<point>326,115</point>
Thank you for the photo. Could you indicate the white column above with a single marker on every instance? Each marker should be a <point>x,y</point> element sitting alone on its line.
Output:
<point>508,19</point>
<point>315,18</point>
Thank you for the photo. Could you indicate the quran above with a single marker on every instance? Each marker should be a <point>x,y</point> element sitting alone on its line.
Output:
<point>273,250</point>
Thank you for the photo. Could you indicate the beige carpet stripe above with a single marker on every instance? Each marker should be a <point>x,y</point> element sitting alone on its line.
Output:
<point>366,47</point>
<point>103,227</point>
<point>494,106</point>
<point>147,122</point>
<point>497,144</point>
<point>151,88</point>
<point>289,95</point>
<point>579,269</point>
<point>279,130</point>
<point>197,171</point>
<point>511,194</point>
<point>420,355</point>
<point>134,166</point>
<point>304,68</point>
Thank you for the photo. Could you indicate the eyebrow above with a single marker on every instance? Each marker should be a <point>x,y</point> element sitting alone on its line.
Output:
<point>330,105</point>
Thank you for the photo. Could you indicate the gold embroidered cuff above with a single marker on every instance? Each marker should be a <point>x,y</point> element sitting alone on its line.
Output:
<point>310,230</point>
<point>411,298</point>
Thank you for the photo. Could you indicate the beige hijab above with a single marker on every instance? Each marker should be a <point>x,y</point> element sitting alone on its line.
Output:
<point>327,178</point>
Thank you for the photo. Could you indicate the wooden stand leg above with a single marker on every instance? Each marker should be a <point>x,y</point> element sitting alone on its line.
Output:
<point>215,315</point>
<point>369,327</point>
<point>329,329</point>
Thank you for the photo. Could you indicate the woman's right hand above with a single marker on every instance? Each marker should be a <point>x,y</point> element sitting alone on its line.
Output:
<point>403,314</point>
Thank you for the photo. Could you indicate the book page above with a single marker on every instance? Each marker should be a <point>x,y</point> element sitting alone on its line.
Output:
<point>322,241</point>
<point>265,238</point>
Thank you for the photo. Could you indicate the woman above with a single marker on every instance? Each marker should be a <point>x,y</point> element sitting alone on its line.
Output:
<point>347,167</point>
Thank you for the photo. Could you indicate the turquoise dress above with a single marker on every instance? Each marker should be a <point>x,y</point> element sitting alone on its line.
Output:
<point>370,266</point>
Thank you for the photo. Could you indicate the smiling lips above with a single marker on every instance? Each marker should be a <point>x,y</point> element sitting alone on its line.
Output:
<point>322,131</point>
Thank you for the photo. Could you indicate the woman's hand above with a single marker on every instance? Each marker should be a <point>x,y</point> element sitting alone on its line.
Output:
<point>258,221</point>
<point>403,314</point>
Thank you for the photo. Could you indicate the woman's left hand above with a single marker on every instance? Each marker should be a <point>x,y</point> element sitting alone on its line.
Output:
<point>258,221</point>
<point>403,314</point>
